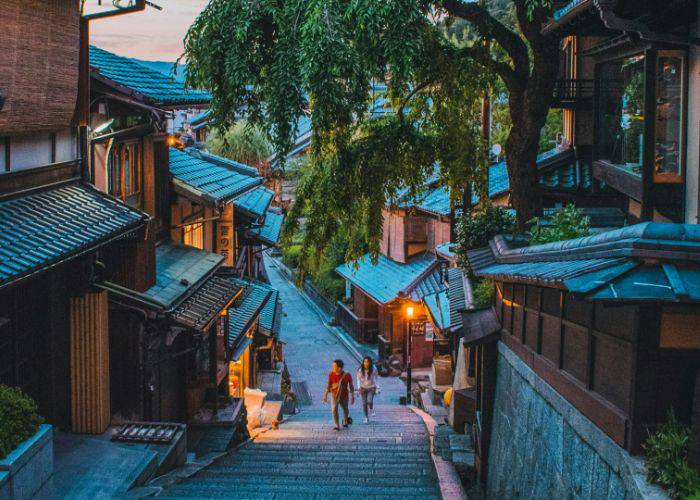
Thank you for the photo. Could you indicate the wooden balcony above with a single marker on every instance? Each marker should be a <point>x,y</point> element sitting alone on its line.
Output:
<point>570,93</point>
<point>361,329</point>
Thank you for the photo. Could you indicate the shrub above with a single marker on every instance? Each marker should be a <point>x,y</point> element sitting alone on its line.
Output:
<point>567,223</point>
<point>483,291</point>
<point>476,229</point>
<point>19,419</point>
<point>291,255</point>
<point>666,453</point>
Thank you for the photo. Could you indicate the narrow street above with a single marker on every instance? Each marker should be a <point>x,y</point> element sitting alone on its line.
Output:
<point>305,457</point>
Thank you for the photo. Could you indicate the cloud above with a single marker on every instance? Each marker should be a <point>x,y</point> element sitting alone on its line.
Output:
<point>151,35</point>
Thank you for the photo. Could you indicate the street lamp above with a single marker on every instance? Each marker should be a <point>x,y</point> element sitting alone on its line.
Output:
<point>409,380</point>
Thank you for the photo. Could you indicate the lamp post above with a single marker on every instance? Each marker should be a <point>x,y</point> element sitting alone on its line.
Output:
<point>409,380</point>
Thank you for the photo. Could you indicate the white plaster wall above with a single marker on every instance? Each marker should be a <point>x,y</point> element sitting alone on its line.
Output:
<point>66,145</point>
<point>692,177</point>
<point>30,151</point>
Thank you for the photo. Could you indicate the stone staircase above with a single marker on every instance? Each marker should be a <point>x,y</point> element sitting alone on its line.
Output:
<point>306,458</point>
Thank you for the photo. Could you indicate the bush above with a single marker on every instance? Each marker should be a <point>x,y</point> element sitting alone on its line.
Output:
<point>291,255</point>
<point>569,222</point>
<point>476,229</point>
<point>483,291</point>
<point>19,419</point>
<point>666,453</point>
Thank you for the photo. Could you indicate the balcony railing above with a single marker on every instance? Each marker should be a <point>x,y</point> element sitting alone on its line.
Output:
<point>569,93</point>
<point>361,329</point>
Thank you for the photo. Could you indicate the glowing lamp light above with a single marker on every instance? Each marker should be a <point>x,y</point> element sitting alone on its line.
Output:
<point>409,312</point>
<point>172,140</point>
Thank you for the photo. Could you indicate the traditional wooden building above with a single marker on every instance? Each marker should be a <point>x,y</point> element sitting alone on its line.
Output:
<point>606,321</point>
<point>57,230</point>
<point>222,206</point>
<point>627,89</point>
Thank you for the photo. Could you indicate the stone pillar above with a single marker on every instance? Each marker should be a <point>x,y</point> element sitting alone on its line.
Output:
<point>89,363</point>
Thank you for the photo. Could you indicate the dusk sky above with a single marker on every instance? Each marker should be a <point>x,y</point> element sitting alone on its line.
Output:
<point>151,35</point>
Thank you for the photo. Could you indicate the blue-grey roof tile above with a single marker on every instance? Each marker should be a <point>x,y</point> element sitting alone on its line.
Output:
<point>210,299</point>
<point>246,309</point>
<point>255,202</point>
<point>438,305</point>
<point>271,228</point>
<point>153,85</point>
<point>179,270</point>
<point>206,177</point>
<point>654,261</point>
<point>45,227</point>
<point>384,280</point>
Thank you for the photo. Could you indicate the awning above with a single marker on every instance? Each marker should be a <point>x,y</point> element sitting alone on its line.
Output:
<point>480,326</point>
<point>439,307</point>
<point>254,203</point>
<point>269,231</point>
<point>240,348</point>
<point>206,303</point>
<point>246,309</point>
<point>50,226</point>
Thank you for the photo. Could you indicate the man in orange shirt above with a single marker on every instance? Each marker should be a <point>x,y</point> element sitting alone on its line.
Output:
<point>340,388</point>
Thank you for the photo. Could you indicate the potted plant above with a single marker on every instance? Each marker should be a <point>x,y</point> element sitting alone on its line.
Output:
<point>26,446</point>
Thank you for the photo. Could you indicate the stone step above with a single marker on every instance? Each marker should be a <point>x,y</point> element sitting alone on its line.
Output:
<point>242,494</point>
<point>260,486</point>
<point>337,475</point>
<point>292,457</point>
<point>310,469</point>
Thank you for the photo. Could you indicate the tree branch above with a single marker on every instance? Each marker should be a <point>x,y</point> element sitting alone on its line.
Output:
<point>489,27</point>
<point>481,55</point>
<point>413,92</point>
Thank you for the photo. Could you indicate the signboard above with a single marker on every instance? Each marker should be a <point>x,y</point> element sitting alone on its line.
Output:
<point>225,235</point>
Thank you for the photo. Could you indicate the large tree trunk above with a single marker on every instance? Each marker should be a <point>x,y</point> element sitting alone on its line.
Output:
<point>528,106</point>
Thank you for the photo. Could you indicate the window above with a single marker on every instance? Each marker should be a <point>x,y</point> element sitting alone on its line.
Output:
<point>621,112</point>
<point>193,235</point>
<point>125,171</point>
<point>669,117</point>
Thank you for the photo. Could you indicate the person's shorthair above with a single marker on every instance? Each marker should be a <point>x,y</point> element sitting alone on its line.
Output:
<point>339,362</point>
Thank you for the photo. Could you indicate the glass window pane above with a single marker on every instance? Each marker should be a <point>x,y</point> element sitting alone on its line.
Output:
<point>669,92</point>
<point>621,113</point>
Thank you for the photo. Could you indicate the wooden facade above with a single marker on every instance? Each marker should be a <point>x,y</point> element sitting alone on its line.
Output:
<point>625,367</point>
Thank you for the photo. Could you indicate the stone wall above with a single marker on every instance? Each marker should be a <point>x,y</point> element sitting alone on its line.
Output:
<point>542,447</point>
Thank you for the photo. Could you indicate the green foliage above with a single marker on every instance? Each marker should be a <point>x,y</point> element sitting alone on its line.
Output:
<point>484,293</point>
<point>322,270</point>
<point>278,60</point>
<point>242,142</point>
<point>19,419</point>
<point>476,229</point>
<point>567,223</point>
<point>666,455</point>
<point>291,255</point>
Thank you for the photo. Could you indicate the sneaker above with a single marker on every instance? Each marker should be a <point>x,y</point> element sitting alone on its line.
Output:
<point>336,428</point>
<point>345,425</point>
<point>366,420</point>
<point>373,413</point>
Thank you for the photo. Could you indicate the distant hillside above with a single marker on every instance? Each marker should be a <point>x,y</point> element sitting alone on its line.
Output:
<point>166,68</point>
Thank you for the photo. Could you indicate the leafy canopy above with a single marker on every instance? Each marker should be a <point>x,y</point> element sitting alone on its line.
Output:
<point>277,60</point>
<point>242,142</point>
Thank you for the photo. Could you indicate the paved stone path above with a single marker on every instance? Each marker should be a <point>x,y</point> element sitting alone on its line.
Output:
<point>305,457</point>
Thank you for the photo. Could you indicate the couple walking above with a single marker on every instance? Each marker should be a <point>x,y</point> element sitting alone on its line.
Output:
<point>341,388</point>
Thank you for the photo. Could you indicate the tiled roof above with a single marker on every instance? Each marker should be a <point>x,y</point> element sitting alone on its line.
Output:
<point>246,308</point>
<point>459,299</point>
<point>271,314</point>
<point>220,160</point>
<point>446,250</point>
<point>430,283</point>
<point>179,270</point>
<point>558,168</point>
<point>199,175</point>
<point>650,261</point>
<point>439,306</point>
<point>199,309</point>
<point>386,279</point>
<point>153,85</point>
<point>255,201</point>
<point>200,120</point>
<point>436,201</point>
<point>46,227</point>
<point>271,228</point>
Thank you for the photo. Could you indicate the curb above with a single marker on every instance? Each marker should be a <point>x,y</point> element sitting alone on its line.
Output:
<point>322,316</point>
<point>450,485</point>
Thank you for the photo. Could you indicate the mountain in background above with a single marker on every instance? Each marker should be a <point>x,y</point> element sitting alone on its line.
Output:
<point>166,68</point>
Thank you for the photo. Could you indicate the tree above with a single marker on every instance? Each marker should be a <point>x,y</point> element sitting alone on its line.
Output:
<point>278,59</point>
<point>242,142</point>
